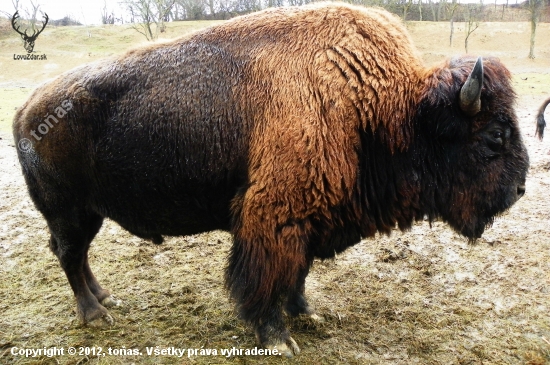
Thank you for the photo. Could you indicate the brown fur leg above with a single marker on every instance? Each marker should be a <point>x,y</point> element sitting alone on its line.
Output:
<point>296,303</point>
<point>70,243</point>
<point>261,273</point>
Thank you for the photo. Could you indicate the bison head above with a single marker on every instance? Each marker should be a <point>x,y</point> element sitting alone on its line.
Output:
<point>472,155</point>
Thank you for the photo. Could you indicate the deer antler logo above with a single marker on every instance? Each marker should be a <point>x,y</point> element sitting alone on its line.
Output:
<point>29,40</point>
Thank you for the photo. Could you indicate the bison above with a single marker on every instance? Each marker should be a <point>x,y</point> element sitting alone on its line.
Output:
<point>299,130</point>
<point>541,123</point>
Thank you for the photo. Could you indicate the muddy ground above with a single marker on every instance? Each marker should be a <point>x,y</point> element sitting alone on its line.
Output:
<point>423,297</point>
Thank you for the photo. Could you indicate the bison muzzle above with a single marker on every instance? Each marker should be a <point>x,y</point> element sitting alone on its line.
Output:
<point>300,130</point>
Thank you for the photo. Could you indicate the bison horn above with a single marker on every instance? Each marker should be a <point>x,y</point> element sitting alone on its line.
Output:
<point>470,94</point>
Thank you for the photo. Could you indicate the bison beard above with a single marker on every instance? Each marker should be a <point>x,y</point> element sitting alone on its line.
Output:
<point>299,130</point>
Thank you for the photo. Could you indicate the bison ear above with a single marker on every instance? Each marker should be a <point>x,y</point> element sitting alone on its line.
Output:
<point>470,93</point>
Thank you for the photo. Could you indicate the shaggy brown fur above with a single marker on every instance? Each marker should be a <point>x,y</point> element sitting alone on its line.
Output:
<point>300,130</point>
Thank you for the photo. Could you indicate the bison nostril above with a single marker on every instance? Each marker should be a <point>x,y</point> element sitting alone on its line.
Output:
<point>521,190</point>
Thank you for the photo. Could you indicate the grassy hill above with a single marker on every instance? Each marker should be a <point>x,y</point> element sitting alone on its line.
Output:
<point>67,47</point>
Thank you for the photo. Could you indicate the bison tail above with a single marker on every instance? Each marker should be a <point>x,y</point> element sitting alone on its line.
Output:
<point>541,123</point>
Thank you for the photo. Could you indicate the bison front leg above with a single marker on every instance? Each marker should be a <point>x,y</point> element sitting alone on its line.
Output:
<point>70,241</point>
<point>264,270</point>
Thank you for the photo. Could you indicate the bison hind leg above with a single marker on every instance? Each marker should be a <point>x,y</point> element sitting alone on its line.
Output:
<point>70,240</point>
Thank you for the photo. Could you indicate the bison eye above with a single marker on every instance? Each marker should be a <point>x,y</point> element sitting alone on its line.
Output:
<point>495,139</point>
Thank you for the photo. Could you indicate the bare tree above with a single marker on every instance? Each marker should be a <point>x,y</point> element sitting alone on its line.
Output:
<point>406,5</point>
<point>141,13</point>
<point>440,6</point>
<point>211,7</point>
<point>193,9</point>
<point>535,8</point>
<point>150,15</point>
<point>472,14</point>
<point>504,6</point>
<point>31,14</point>
<point>106,16</point>
<point>451,9</point>
<point>247,6</point>
<point>432,8</point>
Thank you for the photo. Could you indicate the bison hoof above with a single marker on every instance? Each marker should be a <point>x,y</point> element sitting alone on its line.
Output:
<point>316,318</point>
<point>98,318</point>
<point>103,321</point>
<point>288,349</point>
<point>111,301</point>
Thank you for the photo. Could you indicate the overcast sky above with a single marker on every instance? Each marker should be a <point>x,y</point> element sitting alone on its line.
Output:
<point>85,11</point>
<point>89,11</point>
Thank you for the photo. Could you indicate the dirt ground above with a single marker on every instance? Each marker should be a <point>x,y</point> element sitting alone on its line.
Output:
<point>421,297</point>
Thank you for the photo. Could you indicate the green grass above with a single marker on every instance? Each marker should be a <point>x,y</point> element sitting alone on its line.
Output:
<point>12,98</point>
